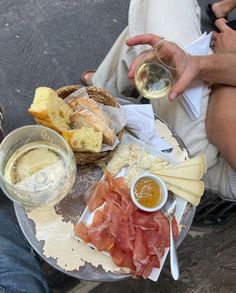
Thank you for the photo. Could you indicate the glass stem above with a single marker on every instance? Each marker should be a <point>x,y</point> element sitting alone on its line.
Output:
<point>139,98</point>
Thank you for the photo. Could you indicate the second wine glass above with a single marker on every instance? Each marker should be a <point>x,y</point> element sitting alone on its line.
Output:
<point>159,68</point>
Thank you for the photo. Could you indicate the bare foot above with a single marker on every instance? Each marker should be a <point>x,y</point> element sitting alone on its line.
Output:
<point>87,76</point>
<point>223,8</point>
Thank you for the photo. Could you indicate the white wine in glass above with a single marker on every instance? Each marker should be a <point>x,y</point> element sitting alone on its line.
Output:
<point>159,68</point>
<point>37,167</point>
<point>153,80</point>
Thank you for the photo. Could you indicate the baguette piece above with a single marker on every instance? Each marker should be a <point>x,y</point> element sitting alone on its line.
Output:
<point>88,118</point>
<point>50,110</point>
<point>91,105</point>
<point>85,139</point>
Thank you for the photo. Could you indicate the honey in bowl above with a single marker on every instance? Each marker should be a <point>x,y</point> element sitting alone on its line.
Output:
<point>147,192</point>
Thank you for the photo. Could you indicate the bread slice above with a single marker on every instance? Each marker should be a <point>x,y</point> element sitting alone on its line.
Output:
<point>85,139</point>
<point>50,110</point>
<point>91,105</point>
<point>88,118</point>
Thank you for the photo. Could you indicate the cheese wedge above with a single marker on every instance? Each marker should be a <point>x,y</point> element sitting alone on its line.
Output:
<point>193,199</point>
<point>192,169</point>
<point>199,160</point>
<point>194,172</point>
<point>195,187</point>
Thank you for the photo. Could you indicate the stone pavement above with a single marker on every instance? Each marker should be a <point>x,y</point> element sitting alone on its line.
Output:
<point>50,43</point>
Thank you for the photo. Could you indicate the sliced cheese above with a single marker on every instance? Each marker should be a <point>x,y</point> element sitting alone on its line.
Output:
<point>194,172</point>
<point>199,160</point>
<point>193,199</point>
<point>195,187</point>
<point>191,169</point>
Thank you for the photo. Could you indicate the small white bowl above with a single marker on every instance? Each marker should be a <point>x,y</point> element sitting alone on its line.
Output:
<point>164,193</point>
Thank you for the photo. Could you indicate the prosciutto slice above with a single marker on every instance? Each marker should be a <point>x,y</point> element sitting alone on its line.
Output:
<point>101,238</point>
<point>135,239</point>
<point>122,259</point>
<point>81,230</point>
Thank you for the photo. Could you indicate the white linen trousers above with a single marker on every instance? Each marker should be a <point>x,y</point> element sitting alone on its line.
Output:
<point>178,21</point>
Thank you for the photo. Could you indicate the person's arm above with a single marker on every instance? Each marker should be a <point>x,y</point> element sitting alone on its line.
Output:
<point>212,68</point>
<point>219,68</point>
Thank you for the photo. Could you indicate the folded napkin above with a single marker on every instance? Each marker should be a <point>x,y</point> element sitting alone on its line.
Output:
<point>140,121</point>
<point>192,97</point>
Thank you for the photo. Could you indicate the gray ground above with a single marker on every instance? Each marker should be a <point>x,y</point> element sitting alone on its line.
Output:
<point>50,43</point>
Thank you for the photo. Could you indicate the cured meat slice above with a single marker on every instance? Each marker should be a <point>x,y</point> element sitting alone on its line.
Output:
<point>130,209</point>
<point>122,259</point>
<point>107,189</point>
<point>113,213</point>
<point>97,197</point>
<point>124,235</point>
<point>99,218</point>
<point>144,220</point>
<point>134,238</point>
<point>101,238</point>
<point>153,263</point>
<point>155,242</point>
<point>118,184</point>
<point>120,188</point>
<point>140,252</point>
<point>165,227</point>
<point>81,230</point>
<point>112,209</point>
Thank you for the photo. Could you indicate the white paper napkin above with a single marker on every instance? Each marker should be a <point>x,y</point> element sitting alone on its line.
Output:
<point>140,121</point>
<point>192,98</point>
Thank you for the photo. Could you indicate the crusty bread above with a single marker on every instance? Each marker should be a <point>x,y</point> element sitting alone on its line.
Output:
<point>85,139</point>
<point>91,105</point>
<point>88,118</point>
<point>50,110</point>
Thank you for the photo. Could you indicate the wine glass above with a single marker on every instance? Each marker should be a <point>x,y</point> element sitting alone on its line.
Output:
<point>159,68</point>
<point>37,167</point>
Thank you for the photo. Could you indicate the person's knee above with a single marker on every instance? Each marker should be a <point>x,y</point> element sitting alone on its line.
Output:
<point>221,132</point>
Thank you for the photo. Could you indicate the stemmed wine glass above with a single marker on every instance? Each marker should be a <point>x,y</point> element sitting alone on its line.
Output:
<point>159,68</point>
<point>37,167</point>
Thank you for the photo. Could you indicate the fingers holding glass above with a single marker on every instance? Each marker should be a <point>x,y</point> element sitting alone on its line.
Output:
<point>159,68</point>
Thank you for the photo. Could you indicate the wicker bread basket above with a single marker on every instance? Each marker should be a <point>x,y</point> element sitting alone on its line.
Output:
<point>100,96</point>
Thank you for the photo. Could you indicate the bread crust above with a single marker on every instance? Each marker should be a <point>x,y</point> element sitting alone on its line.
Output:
<point>50,110</point>
<point>79,104</point>
<point>51,125</point>
<point>86,117</point>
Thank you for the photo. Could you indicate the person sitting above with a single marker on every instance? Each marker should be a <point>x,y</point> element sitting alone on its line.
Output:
<point>214,132</point>
<point>20,270</point>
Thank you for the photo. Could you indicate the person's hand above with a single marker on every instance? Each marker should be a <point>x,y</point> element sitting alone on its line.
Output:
<point>190,73</point>
<point>182,83</point>
<point>147,39</point>
<point>225,40</point>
